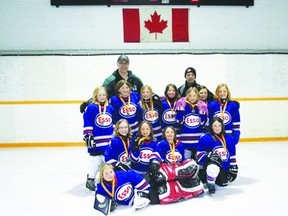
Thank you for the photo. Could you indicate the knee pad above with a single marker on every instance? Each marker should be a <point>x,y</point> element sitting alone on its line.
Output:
<point>212,170</point>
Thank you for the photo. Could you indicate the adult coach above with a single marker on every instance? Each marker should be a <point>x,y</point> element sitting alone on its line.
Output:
<point>190,76</point>
<point>122,73</point>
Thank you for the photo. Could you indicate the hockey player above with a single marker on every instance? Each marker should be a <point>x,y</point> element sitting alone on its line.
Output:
<point>226,109</point>
<point>124,188</point>
<point>217,156</point>
<point>97,131</point>
<point>117,152</point>
<point>192,120</point>
<point>125,104</point>
<point>149,108</point>
<point>172,177</point>
<point>143,147</point>
<point>168,107</point>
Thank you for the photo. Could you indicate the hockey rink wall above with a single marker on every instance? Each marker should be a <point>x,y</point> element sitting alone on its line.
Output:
<point>43,80</point>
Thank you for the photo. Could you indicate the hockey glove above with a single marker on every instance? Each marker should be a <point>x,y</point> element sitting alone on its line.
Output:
<point>83,107</point>
<point>89,140</point>
<point>122,166</point>
<point>232,174</point>
<point>135,144</point>
<point>154,167</point>
<point>215,158</point>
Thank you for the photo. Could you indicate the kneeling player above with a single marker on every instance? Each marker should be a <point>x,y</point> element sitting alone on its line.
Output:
<point>120,187</point>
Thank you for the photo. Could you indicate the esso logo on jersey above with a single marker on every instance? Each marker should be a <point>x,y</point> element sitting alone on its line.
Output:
<point>128,111</point>
<point>192,121</point>
<point>169,157</point>
<point>123,157</point>
<point>145,155</point>
<point>226,117</point>
<point>169,116</point>
<point>103,120</point>
<point>222,152</point>
<point>124,192</point>
<point>151,115</point>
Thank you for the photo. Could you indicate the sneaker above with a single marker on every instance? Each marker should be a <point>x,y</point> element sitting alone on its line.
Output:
<point>90,184</point>
<point>211,188</point>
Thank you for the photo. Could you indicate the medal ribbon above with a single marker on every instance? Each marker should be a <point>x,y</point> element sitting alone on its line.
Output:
<point>191,105</point>
<point>222,140</point>
<point>174,104</point>
<point>172,148</point>
<point>125,146</point>
<point>113,188</point>
<point>100,111</point>
<point>151,114</point>
<point>142,139</point>
<point>224,108</point>
<point>125,104</point>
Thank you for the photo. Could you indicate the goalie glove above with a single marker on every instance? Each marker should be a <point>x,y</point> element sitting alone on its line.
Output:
<point>122,166</point>
<point>215,158</point>
<point>89,140</point>
<point>202,106</point>
<point>232,173</point>
<point>180,104</point>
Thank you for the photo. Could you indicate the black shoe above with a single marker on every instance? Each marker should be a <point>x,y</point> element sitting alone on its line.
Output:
<point>211,188</point>
<point>90,184</point>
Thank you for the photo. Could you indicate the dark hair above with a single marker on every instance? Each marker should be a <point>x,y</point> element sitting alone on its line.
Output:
<point>177,96</point>
<point>215,118</point>
<point>163,133</point>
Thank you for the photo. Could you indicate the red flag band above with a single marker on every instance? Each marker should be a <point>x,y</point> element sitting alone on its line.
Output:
<point>156,25</point>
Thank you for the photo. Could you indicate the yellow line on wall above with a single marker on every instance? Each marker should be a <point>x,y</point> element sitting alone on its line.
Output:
<point>80,101</point>
<point>82,144</point>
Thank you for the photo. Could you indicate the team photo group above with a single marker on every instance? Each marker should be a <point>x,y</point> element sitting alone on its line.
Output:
<point>146,148</point>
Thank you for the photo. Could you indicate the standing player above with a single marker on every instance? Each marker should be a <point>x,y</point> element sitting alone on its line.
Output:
<point>98,130</point>
<point>226,109</point>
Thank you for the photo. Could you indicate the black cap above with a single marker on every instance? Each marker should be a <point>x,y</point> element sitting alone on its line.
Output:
<point>190,70</point>
<point>123,58</point>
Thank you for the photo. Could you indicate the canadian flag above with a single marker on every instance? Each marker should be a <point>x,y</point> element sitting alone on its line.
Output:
<point>156,25</point>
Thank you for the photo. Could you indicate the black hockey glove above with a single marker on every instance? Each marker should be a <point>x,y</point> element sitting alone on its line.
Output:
<point>89,140</point>
<point>113,205</point>
<point>232,174</point>
<point>83,107</point>
<point>122,166</point>
<point>135,145</point>
<point>215,158</point>
<point>153,168</point>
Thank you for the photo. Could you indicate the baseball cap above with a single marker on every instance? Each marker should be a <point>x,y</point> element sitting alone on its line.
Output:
<point>123,58</point>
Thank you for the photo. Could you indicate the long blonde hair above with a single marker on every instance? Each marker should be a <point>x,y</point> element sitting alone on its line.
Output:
<point>142,102</point>
<point>101,171</point>
<point>95,94</point>
<point>216,97</point>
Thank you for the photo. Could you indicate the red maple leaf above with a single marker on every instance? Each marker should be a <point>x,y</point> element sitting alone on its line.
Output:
<point>155,26</point>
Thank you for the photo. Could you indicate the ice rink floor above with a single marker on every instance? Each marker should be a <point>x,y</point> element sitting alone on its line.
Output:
<point>51,182</point>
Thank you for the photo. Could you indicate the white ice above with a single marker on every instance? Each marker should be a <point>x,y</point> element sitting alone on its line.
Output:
<point>51,182</point>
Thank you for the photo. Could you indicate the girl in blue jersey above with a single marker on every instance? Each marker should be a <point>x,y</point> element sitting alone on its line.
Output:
<point>169,150</point>
<point>117,152</point>
<point>168,107</point>
<point>226,109</point>
<point>97,131</point>
<point>217,156</point>
<point>142,148</point>
<point>125,188</point>
<point>192,120</point>
<point>125,104</point>
<point>149,108</point>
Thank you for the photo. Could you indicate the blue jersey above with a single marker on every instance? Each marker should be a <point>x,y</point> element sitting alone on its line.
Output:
<point>116,151</point>
<point>208,144</point>
<point>141,159</point>
<point>164,153</point>
<point>169,114</point>
<point>125,183</point>
<point>230,116</point>
<point>99,124</point>
<point>126,111</point>
<point>153,116</point>
<point>192,124</point>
